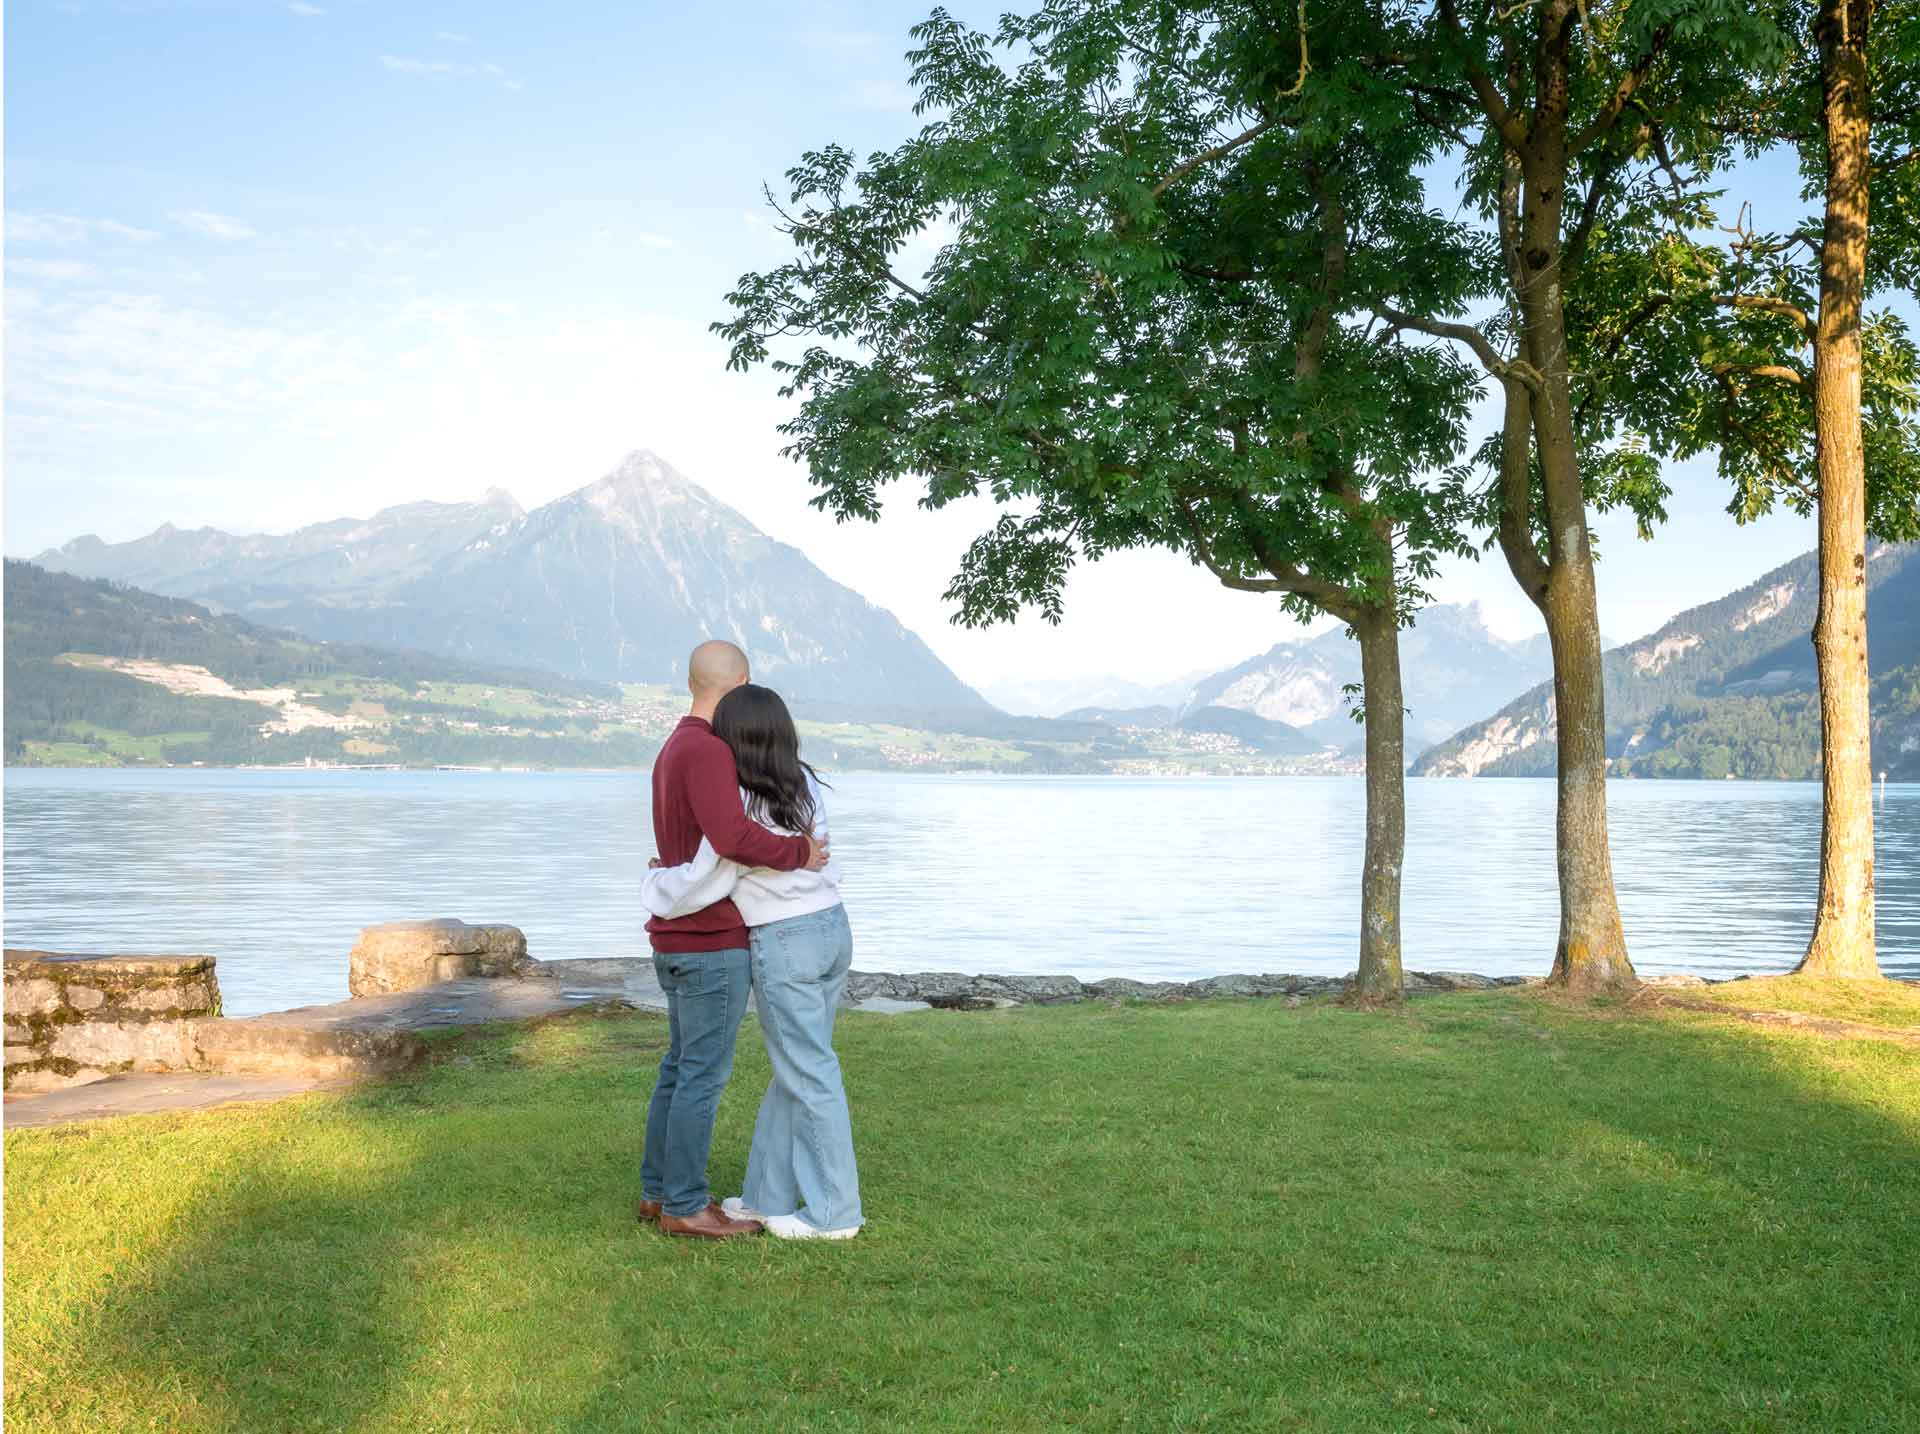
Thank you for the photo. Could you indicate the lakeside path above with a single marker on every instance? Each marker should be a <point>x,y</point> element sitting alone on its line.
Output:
<point>1483,1211</point>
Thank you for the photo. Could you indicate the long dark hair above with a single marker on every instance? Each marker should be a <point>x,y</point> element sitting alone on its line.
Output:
<point>755,723</point>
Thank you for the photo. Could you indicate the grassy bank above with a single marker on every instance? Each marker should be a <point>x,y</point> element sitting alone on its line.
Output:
<point>1486,1212</point>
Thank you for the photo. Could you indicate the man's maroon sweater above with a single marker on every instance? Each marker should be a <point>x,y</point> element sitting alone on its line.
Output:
<point>696,793</point>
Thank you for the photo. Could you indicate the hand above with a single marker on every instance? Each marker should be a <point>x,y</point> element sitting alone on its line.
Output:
<point>654,861</point>
<point>817,854</point>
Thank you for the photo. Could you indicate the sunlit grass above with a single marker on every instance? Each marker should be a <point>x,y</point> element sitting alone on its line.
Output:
<point>1880,1003</point>
<point>1485,1212</point>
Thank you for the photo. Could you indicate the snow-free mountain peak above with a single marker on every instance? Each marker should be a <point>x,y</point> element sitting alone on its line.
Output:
<point>645,491</point>
<point>616,581</point>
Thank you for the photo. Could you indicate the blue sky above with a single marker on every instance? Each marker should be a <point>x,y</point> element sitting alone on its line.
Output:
<point>271,263</point>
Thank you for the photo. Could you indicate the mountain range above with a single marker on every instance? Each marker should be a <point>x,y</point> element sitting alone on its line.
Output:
<point>1725,689</point>
<point>102,674</point>
<point>1452,669</point>
<point>614,582</point>
<point>1057,696</point>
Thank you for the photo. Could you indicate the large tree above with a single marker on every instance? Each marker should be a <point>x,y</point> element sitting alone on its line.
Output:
<point>1149,325</point>
<point>1808,396</point>
<point>1843,942</point>
<point>1569,121</point>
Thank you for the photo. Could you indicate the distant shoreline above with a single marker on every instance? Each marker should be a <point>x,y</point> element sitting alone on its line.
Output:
<point>371,767</point>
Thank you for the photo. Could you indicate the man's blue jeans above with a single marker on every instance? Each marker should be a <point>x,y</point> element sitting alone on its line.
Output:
<point>706,998</point>
<point>802,1158</point>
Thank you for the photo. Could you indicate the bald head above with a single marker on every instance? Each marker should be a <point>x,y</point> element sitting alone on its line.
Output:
<point>714,670</point>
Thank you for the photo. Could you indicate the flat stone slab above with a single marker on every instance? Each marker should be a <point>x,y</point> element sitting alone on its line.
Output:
<point>376,1035</point>
<point>26,963</point>
<point>149,1093</point>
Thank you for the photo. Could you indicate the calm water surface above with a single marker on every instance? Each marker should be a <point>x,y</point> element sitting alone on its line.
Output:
<point>275,872</point>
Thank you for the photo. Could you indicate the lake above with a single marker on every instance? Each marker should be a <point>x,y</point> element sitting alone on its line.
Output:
<point>275,872</point>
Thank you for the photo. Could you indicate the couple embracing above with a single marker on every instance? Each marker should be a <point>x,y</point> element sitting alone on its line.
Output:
<point>745,899</point>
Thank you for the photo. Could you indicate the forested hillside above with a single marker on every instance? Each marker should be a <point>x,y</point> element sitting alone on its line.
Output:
<point>101,674</point>
<point>1726,689</point>
<point>97,672</point>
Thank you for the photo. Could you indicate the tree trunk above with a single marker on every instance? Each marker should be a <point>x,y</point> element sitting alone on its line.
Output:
<point>1843,934</point>
<point>1380,979</point>
<point>1592,952</point>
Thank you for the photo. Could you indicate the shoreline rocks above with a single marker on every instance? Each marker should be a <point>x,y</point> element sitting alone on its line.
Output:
<point>954,991</point>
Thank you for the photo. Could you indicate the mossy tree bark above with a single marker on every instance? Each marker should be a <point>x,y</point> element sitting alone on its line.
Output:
<point>1379,977</point>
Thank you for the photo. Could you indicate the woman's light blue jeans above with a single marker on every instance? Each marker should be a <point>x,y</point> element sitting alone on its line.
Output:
<point>802,1157</point>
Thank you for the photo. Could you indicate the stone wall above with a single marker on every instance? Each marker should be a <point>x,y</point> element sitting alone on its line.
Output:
<point>73,1019</point>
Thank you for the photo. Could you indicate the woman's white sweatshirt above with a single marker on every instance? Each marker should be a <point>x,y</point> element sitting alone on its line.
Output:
<point>762,894</point>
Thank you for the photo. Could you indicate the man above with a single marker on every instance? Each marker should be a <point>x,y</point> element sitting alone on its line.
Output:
<point>702,959</point>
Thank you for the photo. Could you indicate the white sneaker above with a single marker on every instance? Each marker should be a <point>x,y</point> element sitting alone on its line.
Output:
<point>792,1227</point>
<point>735,1208</point>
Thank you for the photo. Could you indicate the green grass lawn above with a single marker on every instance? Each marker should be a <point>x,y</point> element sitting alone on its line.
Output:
<point>1487,1212</point>
<point>1877,1003</point>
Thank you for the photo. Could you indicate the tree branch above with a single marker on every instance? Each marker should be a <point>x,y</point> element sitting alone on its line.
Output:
<point>1768,305</point>
<point>1287,579</point>
<point>1638,317</point>
<point>1187,167</point>
<point>1575,247</point>
<point>1765,452</point>
<point>1501,118</point>
<point>1333,267</point>
<point>1224,276</point>
<point>1754,131</point>
<point>1761,370</point>
<point>1467,334</point>
<point>1529,569</point>
<point>1609,113</point>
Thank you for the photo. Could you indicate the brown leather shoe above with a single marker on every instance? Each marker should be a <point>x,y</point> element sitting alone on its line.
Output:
<point>649,1211</point>
<point>711,1223</point>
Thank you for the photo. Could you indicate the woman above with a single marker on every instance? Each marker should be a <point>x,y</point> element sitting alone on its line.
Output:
<point>801,1179</point>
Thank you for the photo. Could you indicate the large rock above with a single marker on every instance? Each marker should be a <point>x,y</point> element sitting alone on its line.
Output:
<point>405,955</point>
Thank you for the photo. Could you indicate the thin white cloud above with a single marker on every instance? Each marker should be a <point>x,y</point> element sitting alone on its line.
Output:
<point>405,65</point>
<point>70,229</point>
<point>649,240</point>
<point>305,11</point>
<point>402,66</point>
<point>214,226</point>
<point>453,37</point>
<point>57,271</point>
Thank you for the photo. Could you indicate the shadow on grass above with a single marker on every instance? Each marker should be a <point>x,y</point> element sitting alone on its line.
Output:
<point>1483,1213</point>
